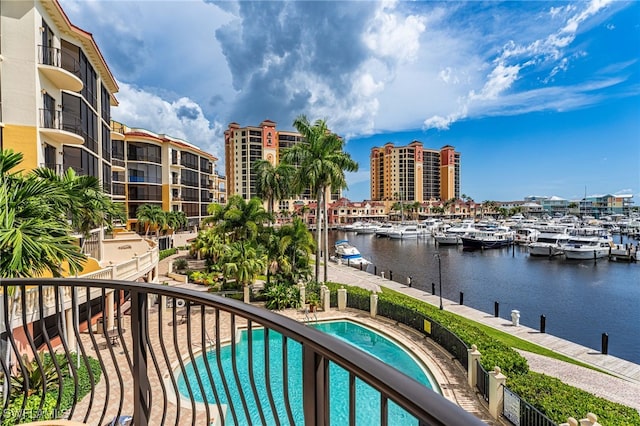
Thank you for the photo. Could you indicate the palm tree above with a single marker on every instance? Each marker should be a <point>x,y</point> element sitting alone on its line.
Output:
<point>238,219</point>
<point>415,208</point>
<point>176,219</point>
<point>321,163</point>
<point>85,202</point>
<point>244,261</point>
<point>35,236</point>
<point>150,216</point>
<point>299,245</point>
<point>273,182</point>
<point>209,244</point>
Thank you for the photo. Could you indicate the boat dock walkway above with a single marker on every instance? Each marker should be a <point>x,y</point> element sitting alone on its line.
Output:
<point>621,384</point>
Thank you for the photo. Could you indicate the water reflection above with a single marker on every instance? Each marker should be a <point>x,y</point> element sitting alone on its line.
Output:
<point>580,299</point>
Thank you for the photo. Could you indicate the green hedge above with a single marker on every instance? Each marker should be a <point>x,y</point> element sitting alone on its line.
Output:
<point>555,399</point>
<point>13,414</point>
<point>560,401</point>
<point>168,252</point>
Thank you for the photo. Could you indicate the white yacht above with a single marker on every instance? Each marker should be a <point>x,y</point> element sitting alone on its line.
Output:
<point>366,228</point>
<point>526,236</point>
<point>453,235</point>
<point>588,243</point>
<point>550,242</point>
<point>404,232</point>
<point>346,253</point>
<point>384,229</point>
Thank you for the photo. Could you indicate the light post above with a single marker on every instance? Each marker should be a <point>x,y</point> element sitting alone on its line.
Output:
<point>439,278</point>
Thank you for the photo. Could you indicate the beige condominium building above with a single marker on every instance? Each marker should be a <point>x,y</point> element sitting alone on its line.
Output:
<point>151,168</point>
<point>414,173</point>
<point>243,146</point>
<point>56,91</point>
<point>56,94</point>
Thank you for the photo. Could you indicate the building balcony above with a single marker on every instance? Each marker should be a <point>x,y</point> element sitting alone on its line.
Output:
<point>117,131</point>
<point>52,63</point>
<point>143,337</point>
<point>60,128</point>
<point>117,165</point>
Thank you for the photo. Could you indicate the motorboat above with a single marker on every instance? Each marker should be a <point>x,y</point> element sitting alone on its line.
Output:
<point>448,238</point>
<point>526,236</point>
<point>384,229</point>
<point>428,226</point>
<point>550,242</point>
<point>346,253</point>
<point>366,228</point>
<point>453,235</point>
<point>588,243</point>
<point>404,232</point>
<point>495,237</point>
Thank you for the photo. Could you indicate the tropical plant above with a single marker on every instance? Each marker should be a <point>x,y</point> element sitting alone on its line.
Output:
<point>321,164</point>
<point>209,245</point>
<point>38,375</point>
<point>238,220</point>
<point>180,264</point>
<point>151,216</point>
<point>281,295</point>
<point>35,236</point>
<point>243,261</point>
<point>298,245</point>
<point>273,183</point>
<point>85,203</point>
<point>175,219</point>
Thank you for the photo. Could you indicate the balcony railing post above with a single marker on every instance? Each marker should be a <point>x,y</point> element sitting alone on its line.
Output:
<point>139,332</point>
<point>314,391</point>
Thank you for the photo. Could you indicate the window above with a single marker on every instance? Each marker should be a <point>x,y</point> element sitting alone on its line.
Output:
<point>106,142</point>
<point>140,151</point>
<point>147,173</point>
<point>145,192</point>
<point>81,160</point>
<point>106,178</point>
<point>105,104</point>
<point>189,160</point>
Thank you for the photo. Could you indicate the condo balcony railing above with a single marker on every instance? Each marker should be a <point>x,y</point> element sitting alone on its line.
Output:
<point>56,57</point>
<point>52,119</point>
<point>115,348</point>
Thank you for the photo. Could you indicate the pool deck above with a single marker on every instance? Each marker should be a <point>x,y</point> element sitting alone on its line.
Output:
<point>621,384</point>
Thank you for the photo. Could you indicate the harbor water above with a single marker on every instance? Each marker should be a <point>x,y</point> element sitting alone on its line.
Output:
<point>580,300</point>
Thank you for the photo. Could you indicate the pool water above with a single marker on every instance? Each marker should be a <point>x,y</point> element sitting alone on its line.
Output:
<point>367,399</point>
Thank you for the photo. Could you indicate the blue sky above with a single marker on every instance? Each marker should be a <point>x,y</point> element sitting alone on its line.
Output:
<point>540,98</point>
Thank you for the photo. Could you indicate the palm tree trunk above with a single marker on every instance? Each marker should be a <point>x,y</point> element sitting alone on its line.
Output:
<point>318,234</point>
<point>326,232</point>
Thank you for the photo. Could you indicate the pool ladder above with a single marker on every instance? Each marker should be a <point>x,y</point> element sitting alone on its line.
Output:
<point>308,317</point>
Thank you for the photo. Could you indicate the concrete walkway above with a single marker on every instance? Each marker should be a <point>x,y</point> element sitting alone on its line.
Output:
<point>621,385</point>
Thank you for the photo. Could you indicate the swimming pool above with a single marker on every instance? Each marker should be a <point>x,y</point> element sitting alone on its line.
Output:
<point>367,399</point>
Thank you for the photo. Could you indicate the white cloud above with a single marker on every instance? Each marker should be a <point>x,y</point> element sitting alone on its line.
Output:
<point>142,109</point>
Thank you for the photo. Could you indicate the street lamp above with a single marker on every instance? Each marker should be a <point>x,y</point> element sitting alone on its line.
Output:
<point>439,278</point>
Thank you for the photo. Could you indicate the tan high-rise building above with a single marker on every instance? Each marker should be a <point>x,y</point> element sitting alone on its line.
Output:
<point>152,168</point>
<point>56,91</point>
<point>243,146</point>
<point>414,173</point>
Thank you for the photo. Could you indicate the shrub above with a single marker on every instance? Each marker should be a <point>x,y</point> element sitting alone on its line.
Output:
<point>180,264</point>
<point>13,414</point>
<point>280,295</point>
<point>168,252</point>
